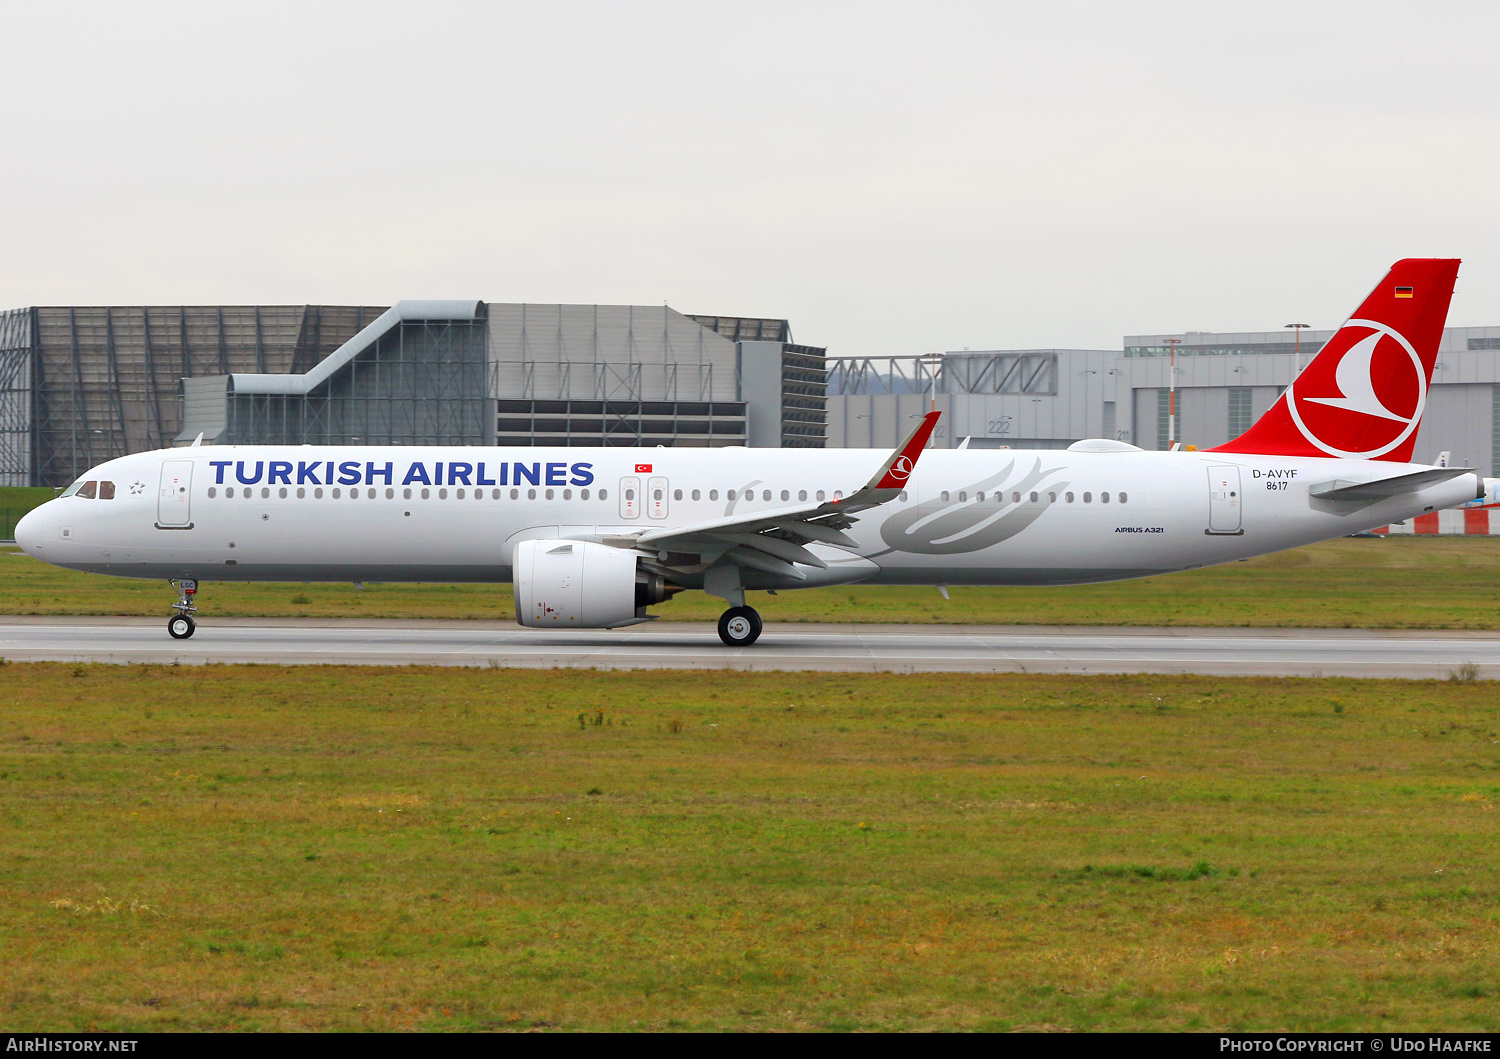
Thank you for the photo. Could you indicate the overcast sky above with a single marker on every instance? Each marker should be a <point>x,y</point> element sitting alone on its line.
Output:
<point>892,177</point>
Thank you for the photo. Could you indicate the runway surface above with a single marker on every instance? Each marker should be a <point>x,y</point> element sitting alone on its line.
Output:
<point>849,648</point>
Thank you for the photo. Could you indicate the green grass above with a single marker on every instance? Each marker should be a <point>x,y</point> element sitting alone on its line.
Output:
<point>1404,582</point>
<point>342,848</point>
<point>15,501</point>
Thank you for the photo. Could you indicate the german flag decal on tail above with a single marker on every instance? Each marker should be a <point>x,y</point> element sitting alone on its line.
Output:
<point>1403,292</point>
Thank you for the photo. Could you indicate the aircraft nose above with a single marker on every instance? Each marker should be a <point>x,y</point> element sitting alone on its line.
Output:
<point>29,530</point>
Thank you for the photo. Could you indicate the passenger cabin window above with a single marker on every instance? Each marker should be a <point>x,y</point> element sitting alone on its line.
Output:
<point>713,494</point>
<point>1033,498</point>
<point>1121,498</point>
<point>1088,498</point>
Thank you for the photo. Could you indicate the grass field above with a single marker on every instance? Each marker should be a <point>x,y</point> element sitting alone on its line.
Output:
<point>1403,582</point>
<point>342,848</point>
<point>15,501</point>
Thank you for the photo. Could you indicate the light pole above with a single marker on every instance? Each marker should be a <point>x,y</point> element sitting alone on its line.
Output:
<point>1297,330</point>
<point>1172,395</point>
<point>932,360</point>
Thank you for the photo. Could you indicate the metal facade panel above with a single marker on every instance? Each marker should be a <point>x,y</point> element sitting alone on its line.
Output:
<point>606,352</point>
<point>1459,420</point>
<point>108,376</point>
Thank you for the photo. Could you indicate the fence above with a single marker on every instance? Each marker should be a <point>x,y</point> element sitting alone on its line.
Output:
<point>1459,522</point>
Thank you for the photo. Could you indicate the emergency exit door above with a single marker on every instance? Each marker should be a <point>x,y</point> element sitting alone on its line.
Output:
<point>174,498</point>
<point>630,497</point>
<point>1224,500</point>
<point>656,497</point>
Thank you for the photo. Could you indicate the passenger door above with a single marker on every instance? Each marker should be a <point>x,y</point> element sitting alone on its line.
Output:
<point>174,498</point>
<point>1224,500</point>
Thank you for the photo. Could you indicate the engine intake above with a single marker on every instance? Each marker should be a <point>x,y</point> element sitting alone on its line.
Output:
<point>583,585</point>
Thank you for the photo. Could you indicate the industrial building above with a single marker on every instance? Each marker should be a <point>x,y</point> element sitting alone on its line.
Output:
<point>1224,382</point>
<point>80,385</point>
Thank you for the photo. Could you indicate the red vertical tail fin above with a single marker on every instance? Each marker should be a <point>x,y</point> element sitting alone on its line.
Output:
<point>1363,395</point>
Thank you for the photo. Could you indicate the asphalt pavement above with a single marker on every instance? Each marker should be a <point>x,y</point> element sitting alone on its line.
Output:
<point>826,647</point>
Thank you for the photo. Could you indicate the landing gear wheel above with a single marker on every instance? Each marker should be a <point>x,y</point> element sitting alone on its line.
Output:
<point>739,626</point>
<point>181,627</point>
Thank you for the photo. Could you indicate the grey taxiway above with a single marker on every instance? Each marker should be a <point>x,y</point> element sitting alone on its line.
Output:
<point>827,647</point>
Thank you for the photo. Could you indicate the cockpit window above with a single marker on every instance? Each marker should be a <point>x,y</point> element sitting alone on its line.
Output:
<point>106,490</point>
<point>89,490</point>
<point>70,490</point>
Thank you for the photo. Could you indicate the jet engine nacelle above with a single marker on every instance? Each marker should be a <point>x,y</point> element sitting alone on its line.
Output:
<point>583,585</point>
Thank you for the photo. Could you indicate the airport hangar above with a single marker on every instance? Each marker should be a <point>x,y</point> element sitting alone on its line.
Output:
<point>80,385</point>
<point>1050,398</point>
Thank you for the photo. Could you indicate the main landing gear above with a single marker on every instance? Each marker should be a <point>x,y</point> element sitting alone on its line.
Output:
<point>739,626</point>
<point>181,625</point>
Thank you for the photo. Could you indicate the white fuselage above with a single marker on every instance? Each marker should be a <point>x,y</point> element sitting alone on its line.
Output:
<point>977,517</point>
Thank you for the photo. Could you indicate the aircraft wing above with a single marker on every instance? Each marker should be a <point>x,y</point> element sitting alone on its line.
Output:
<point>1384,488</point>
<point>775,541</point>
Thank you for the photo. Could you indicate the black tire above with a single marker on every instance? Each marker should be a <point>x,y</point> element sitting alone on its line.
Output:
<point>739,626</point>
<point>180,627</point>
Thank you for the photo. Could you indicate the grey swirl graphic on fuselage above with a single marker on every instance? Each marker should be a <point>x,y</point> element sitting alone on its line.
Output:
<point>948,527</point>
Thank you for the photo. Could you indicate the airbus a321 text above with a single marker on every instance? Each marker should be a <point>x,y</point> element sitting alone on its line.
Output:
<point>592,538</point>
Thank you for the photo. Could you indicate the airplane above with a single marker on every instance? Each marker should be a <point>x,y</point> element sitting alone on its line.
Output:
<point>593,538</point>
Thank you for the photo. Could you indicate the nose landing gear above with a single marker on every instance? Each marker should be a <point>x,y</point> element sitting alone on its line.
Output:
<point>739,626</point>
<point>181,625</point>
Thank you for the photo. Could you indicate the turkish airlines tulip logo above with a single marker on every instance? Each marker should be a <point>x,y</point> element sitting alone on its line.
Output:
<point>900,469</point>
<point>1366,401</point>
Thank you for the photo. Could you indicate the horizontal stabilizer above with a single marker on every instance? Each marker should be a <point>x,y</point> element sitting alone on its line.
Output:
<point>1384,488</point>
